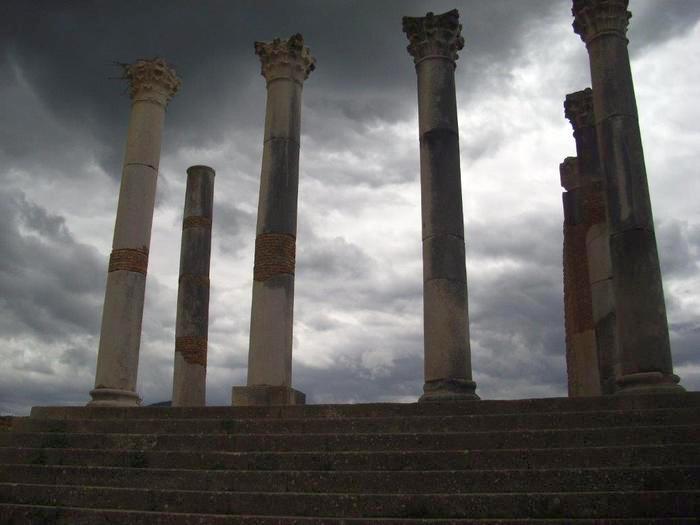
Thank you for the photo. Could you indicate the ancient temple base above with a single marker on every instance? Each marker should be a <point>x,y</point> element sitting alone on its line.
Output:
<point>113,397</point>
<point>266,395</point>
<point>449,390</point>
<point>649,383</point>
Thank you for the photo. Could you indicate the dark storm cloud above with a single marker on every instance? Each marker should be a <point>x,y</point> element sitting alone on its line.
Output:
<point>50,284</point>
<point>68,51</point>
<point>659,21</point>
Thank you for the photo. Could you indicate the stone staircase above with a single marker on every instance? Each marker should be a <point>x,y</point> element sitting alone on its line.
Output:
<point>551,461</point>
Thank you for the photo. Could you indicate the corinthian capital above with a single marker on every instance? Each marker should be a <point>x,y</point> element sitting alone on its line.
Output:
<point>285,59</point>
<point>434,35</point>
<point>578,108</point>
<point>593,18</point>
<point>151,80</point>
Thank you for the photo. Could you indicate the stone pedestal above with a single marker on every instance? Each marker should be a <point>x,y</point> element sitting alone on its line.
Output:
<point>286,64</point>
<point>151,85</point>
<point>645,364</point>
<point>578,108</point>
<point>192,321</point>
<point>434,42</point>
<point>265,395</point>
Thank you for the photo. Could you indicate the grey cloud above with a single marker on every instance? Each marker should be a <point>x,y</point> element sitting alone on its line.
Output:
<point>50,284</point>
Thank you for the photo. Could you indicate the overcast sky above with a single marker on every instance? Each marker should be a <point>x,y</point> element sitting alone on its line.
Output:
<point>358,306</point>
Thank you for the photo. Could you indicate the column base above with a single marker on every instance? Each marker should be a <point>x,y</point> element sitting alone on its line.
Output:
<point>113,397</point>
<point>645,383</point>
<point>266,395</point>
<point>448,390</point>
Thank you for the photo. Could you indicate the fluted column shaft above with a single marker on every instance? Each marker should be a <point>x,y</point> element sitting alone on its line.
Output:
<point>578,108</point>
<point>642,330</point>
<point>285,66</point>
<point>192,321</point>
<point>152,84</point>
<point>434,42</point>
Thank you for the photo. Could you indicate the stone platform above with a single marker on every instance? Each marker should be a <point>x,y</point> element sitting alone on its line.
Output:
<point>584,461</point>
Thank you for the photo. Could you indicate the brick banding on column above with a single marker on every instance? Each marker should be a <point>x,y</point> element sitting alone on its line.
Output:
<point>196,221</point>
<point>129,259</point>
<point>595,205</point>
<point>193,349</point>
<point>274,255</point>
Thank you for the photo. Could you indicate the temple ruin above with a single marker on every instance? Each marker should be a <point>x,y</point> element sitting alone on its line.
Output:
<point>615,319</point>
<point>622,448</point>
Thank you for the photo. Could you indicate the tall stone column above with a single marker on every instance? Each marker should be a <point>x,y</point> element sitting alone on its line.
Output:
<point>286,64</point>
<point>192,321</point>
<point>433,42</point>
<point>151,85</point>
<point>581,348</point>
<point>645,364</point>
<point>578,108</point>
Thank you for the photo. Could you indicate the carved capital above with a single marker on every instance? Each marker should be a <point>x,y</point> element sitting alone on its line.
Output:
<point>578,109</point>
<point>569,173</point>
<point>434,35</point>
<point>151,80</point>
<point>285,59</point>
<point>593,18</point>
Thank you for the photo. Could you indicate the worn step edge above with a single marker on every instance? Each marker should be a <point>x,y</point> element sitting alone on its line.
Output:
<point>638,504</point>
<point>355,482</point>
<point>640,455</point>
<point>361,441</point>
<point>27,514</point>
<point>687,399</point>
<point>327,425</point>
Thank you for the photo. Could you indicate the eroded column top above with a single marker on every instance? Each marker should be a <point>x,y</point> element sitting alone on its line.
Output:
<point>593,18</point>
<point>578,109</point>
<point>289,59</point>
<point>433,36</point>
<point>151,79</point>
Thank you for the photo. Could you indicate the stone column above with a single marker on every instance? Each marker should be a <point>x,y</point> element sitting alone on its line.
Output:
<point>151,85</point>
<point>578,108</point>
<point>433,42</point>
<point>581,348</point>
<point>192,321</point>
<point>286,64</point>
<point>642,330</point>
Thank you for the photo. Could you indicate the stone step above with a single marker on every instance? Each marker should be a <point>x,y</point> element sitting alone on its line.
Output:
<point>31,515</point>
<point>461,423</point>
<point>525,406</point>
<point>582,457</point>
<point>654,504</point>
<point>572,437</point>
<point>354,482</point>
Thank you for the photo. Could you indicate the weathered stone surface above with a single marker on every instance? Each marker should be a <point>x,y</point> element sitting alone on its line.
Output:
<point>285,66</point>
<point>642,341</point>
<point>266,395</point>
<point>640,285</point>
<point>279,184</point>
<point>151,85</point>
<point>433,42</point>
<point>271,319</point>
<point>558,460</point>
<point>443,258</point>
<point>192,320</point>
<point>446,331</point>
<point>441,185</point>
